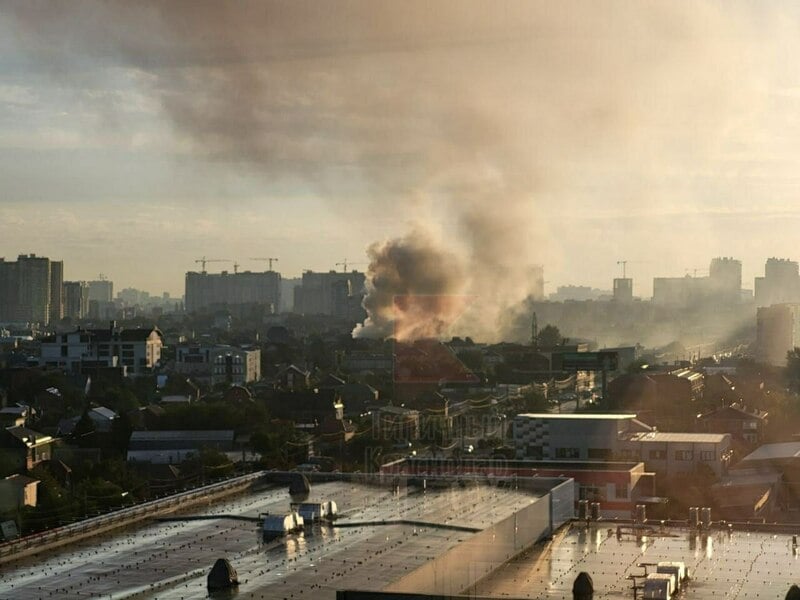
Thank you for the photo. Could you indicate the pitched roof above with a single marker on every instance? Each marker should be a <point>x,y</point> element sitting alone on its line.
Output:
<point>29,437</point>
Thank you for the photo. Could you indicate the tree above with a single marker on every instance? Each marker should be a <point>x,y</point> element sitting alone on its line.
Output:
<point>85,432</point>
<point>549,336</point>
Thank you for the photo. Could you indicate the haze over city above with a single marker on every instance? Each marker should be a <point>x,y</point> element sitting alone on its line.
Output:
<point>136,138</point>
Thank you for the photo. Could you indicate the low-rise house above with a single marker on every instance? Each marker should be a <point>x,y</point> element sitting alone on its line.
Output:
<point>24,448</point>
<point>18,415</point>
<point>395,423</point>
<point>214,364</point>
<point>292,378</point>
<point>745,425</point>
<point>102,418</point>
<point>17,491</point>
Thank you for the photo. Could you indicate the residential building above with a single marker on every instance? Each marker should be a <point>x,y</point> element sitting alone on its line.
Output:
<point>76,299</point>
<point>780,284</point>
<point>547,436</point>
<point>395,423</point>
<point>746,425</point>
<point>137,350</point>
<point>777,332</point>
<point>722,286</point>
<point>101,290</point>
<point>56,291</point>
<point>31,289</point>
<point>206,290</point>
<point>18,491</point>
<point>623,289</point>
<point>332,293</point>
<point>725,280</point>
<point>219,364</point>
<point>24,448</point>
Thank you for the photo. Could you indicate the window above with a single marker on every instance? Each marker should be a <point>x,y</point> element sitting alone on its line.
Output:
<point>684,455</point>
<point>593,493</point>
<point>535,452</point>
<point>658,455</point>
<point>749,425</point>
<point>708,455</point>
<point>599,454</point>
<point>568,453</point>
<point>621,490</point>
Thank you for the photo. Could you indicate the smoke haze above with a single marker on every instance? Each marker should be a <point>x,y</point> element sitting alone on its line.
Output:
<point>479,116</point>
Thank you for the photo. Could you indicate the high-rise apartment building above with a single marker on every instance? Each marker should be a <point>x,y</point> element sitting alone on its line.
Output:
<point>101,290</point>
<point>722,287</point>
<point>777,332</point>
<point>725,280</point>
<point>206,290</point>
<point>332,293</point>
<point>31,290</point>
<point>780,284</point>
<point>76,299</point>
<point>623,289</point>
<point>56,291</point>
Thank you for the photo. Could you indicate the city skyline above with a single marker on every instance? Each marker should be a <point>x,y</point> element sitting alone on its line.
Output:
<point>125,158</point>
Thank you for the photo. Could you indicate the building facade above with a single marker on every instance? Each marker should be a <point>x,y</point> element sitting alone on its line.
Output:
<point>332,293</point>
<point>219,364</point>
<point>207,290</point>
<point>777,332</point>
<point>31,290</point>
<point>780,284</point>
<point>76,299</point>
<point>138,350</point>
<point>546,436</point>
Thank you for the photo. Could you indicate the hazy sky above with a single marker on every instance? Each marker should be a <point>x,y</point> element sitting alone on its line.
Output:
<point>136,137</point>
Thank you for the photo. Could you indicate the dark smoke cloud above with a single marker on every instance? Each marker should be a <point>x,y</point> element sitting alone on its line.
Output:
<point>415,289</point>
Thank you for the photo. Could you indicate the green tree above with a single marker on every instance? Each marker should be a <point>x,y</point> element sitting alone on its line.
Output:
<point>85,432</point>
<point>550,336</point>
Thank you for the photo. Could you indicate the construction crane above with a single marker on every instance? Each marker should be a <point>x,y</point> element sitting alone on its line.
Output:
<point>271,260</point>
<point>695,271</point>
<point>345,262</point>
<point>205,260</point>
<point>624,264</point>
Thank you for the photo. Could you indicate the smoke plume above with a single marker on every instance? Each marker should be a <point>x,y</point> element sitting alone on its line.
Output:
<point>482,120</point>
<point>415,289</point>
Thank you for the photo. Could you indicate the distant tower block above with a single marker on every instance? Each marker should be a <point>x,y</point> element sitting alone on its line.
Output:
<point>623,289</point>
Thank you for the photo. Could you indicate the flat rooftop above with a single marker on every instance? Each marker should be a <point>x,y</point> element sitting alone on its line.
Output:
<point>579,416</point>
<point>781,450</point>
<point>744,565</point>
<point>171,560</point>
<point>689,438</point>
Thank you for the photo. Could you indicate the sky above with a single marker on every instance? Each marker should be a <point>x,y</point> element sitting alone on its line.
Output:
<point>136,138</point>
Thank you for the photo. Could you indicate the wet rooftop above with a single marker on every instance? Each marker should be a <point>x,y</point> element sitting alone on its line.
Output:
<point>739,565</point>
<point>171,560</point>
